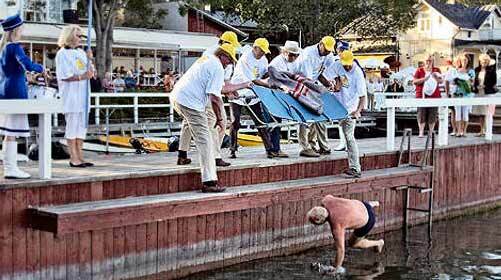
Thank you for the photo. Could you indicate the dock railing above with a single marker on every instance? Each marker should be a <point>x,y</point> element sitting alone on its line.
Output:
<point>442,104</point>
<point>44,108</point>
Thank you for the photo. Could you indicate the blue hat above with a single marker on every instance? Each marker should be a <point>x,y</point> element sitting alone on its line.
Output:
<point>12,22</point>
<point>343,45</point>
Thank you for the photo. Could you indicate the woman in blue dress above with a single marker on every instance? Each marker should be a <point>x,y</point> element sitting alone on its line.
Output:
<point>13,65</point>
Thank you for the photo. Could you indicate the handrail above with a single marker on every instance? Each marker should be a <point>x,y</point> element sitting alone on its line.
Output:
<point>442,104</point>
<point>44,108</point>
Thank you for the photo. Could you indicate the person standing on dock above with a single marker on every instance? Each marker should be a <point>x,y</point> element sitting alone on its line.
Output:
<point>203,83</point>
<point>345,214</point>
<point>312,63</point>
<point>352,93</point>
<point>216,134</point>
<point>13,65</point>
<point>73,76</point>
<point>251,67</point>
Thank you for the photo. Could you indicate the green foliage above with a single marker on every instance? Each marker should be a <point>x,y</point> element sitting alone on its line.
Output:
<point>317,18</point>
<point>142,14</point>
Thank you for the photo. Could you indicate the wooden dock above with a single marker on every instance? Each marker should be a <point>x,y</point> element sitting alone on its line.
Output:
<point>141,215</point>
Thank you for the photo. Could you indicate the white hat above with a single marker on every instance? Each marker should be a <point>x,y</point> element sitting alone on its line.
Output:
<point>292,47</point>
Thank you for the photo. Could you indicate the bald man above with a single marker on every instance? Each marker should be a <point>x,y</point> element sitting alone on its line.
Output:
<point>343,214</point>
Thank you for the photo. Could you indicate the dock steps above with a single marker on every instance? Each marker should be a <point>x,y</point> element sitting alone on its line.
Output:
<point>106,214</point>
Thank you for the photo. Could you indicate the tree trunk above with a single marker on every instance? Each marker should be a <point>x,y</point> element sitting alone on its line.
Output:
<point>104,22</point>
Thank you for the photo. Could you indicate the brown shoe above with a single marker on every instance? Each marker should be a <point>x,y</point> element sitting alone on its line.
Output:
<point>183,161</point>
<point>308,153</point>
<point>222,163</point>
<point>271,154</point>
<point>281,154</point>
<point>212,187</point>
<point>352,173</point>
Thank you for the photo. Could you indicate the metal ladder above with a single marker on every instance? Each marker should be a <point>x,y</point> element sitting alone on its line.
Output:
<point>421,190</point>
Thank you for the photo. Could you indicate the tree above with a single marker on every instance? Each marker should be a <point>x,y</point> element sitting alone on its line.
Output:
<point>317,18</point>
<point>106,16</point>
<point>142,14</point>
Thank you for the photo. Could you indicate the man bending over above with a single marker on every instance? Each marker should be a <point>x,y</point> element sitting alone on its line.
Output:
<point>343,214</point>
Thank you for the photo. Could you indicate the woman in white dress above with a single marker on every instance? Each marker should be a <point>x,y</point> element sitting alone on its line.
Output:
<point>13,85</point>
<point>73,76</point>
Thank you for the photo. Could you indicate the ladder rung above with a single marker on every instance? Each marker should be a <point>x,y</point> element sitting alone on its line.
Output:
<point>427,190</point>
<point>401,188</point>
<point>419,210</point>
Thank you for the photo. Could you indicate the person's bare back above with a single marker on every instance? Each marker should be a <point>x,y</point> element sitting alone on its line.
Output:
<point>343,214</point>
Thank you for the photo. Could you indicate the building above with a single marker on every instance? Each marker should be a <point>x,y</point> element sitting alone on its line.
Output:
<point>446,29</point>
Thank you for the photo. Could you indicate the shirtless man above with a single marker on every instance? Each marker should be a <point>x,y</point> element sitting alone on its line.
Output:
<point>343,214</point>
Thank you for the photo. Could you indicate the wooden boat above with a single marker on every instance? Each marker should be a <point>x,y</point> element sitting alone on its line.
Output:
<point>148,144</point>
<point>101,148</point>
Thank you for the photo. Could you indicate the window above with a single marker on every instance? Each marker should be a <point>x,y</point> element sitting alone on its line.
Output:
<point>424,22</point>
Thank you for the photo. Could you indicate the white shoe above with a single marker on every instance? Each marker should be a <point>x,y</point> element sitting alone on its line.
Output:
<point>11,171</point>
<point>340,147</point>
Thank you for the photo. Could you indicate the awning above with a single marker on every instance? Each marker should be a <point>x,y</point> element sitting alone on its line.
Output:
<point>372,61</point>
<point>45,33</point>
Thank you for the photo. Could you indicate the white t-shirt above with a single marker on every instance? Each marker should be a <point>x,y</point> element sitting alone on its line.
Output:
<point>228,71</point>
<point>248,68</point>
<point>311,65</point>
<point>71,62</point>
<point>204,77</point>
<point>353,86</point>
<point>282,64</point>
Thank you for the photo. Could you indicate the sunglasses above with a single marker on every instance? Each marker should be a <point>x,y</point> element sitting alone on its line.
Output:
<point>81,36</point>
<point>293,54</point>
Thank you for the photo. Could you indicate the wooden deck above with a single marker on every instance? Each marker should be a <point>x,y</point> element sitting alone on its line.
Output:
<point>115,167</point>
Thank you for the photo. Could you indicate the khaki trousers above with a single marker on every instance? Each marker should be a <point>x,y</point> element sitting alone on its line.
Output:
<point>310,134</point>
<point>216,134</point>
<point>198,125</point>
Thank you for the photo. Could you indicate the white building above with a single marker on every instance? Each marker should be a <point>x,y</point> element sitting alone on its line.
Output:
<point>446,29</point>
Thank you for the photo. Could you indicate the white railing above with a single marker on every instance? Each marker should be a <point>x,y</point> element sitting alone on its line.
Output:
<point>44,108</point>
<point>442,104</point>
<point>135,103</point>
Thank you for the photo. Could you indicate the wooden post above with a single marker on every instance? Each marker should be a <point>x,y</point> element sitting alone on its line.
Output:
<point>45,151</point>
<point>136,109</point>
<point>390,129</point>
<point>443,130</point>
<point>97,103</point>
<point>488,125</point>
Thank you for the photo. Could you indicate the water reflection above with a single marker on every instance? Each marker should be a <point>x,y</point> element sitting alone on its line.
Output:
<point>463,248</point>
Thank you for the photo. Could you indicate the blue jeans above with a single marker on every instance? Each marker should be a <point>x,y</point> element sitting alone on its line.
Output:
<point>274,133</point>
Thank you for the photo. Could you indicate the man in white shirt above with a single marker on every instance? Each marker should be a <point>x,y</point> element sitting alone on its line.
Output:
<point>285,62</point>
<point>352,93</point>
<point>311,64</point>
<point>251,67</point>
<point>216,134</point>
<point>203,83</point>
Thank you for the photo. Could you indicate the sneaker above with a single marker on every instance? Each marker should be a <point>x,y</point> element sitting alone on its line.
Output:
<point>340,148</point>
<point>183,161</point>
<point>308,153</point>
<point>324,152</point>
<point>220,162</point>
<point>271,154</point>
<point>281,154</point>
<point>352,173</point>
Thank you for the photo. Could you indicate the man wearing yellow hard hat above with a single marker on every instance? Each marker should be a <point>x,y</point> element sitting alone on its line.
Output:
<point>352,94</point>
<point>312,63</point>
<point>251,67</point>
<point>201,86</point>
<point>228,38</point>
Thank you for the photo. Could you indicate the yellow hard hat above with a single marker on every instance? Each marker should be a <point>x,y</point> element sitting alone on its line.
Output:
<point>328,42</point>
<point>230,50</point>
<point>263,44</point>
<point>230,37</point>
<point>346,58</point>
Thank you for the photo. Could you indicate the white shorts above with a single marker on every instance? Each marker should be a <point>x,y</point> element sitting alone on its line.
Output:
<point>14,125</point>
<point>75,126</point>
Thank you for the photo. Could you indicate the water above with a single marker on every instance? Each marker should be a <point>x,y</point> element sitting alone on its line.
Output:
<point>462,248</point>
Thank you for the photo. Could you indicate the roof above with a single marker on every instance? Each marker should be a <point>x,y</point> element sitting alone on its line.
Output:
<point>461,15</point>
<point>129,37</point>
<point>217,19</point>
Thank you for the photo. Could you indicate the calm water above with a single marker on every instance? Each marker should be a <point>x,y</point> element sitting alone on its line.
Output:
<point>462,248</point>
